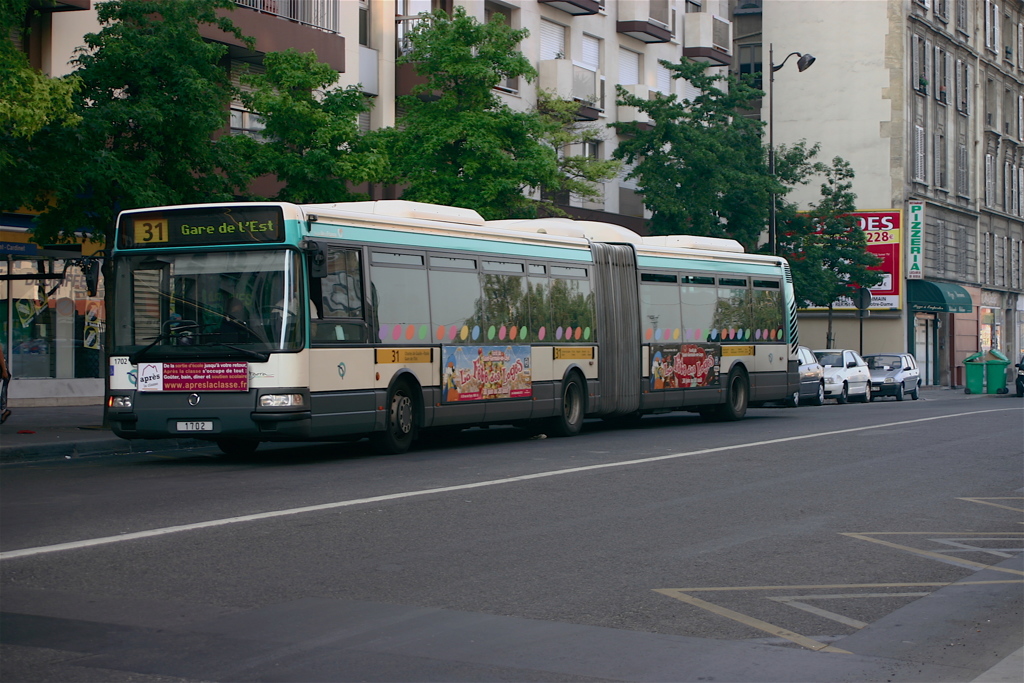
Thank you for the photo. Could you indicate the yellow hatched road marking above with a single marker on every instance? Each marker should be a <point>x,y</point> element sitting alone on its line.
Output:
<point>938,556</point>
<point>753,622</point>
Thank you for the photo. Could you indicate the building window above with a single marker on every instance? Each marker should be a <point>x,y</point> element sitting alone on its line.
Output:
<point>943,75</point>
<point>504,15</point>
<point>750,62</point>
<point>364,23</point>
<point>991,25</point>
<point>922,63</point>
<point>961,15</point>
<point>990,181</point>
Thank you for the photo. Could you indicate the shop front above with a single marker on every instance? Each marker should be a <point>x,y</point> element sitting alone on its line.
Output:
<point>943,327</point>
<point>52,319</point>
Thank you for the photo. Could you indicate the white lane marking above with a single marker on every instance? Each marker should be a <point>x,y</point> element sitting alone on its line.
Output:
<point>105,540</point>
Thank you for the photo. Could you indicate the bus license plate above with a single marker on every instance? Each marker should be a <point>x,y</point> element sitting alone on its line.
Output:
<point>195,426</point>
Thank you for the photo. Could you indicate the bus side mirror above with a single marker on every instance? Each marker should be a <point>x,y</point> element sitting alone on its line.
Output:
<point>316,258</point>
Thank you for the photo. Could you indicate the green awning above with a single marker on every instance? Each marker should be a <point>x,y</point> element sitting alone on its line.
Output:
<point>938,297</point>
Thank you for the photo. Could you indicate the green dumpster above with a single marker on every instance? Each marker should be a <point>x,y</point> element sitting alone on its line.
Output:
<point>986,370</point>
<point>975,369</point>
<point>995,372</point>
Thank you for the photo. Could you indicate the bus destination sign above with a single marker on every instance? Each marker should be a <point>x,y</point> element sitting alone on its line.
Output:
<point>197,227</point>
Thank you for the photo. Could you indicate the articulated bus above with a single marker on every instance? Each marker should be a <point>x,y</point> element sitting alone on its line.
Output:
<point>249,322</point>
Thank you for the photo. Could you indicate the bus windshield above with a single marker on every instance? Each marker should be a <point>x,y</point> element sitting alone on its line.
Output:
<point>235,304</point>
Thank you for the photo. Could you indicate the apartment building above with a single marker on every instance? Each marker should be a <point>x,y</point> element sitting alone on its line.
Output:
<point>581,48</point>
<point>925,99</point>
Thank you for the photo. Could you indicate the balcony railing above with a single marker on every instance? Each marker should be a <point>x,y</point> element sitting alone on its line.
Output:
<point>321,14</point>
<point>403,27</point>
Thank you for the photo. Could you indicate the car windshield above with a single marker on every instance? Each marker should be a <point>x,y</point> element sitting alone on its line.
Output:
<point>829,358</point>
<point>882,362</point>
<point>239,304</point>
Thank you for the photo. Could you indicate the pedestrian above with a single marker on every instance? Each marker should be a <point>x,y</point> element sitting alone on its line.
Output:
<point>5,379</point>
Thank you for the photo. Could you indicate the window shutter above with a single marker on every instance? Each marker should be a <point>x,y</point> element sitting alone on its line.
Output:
<point>947,80</point>
<point>989,180</point>
<point>937,75</point>
<point>968,78</point>
<point>591,53</point>
<point>629,67</point>
<point>919,154</point>
<point>928,66</point>
<point>959,85</point>
<point>552,40</point>
<point>690,92</point>
<point>916,61</point>
<point>664,80</point>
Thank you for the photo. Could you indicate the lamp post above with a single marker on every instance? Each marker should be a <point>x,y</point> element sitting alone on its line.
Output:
<point>803,61</point>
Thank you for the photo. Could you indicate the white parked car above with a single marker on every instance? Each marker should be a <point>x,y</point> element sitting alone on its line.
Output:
<point>846,375</point>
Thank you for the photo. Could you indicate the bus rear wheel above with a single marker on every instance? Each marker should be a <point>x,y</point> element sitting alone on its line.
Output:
<point>569,421</point>
<point>399,422</point>
<point>737,395</point>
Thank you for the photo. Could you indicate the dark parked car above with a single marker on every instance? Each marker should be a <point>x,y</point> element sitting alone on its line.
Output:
<point>812,380</point>
<point>894,374</point>
<point>1020,378</point>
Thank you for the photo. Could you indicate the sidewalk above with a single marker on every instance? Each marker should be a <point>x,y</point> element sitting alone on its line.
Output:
<point>69,432</point>
<point>73,431</point>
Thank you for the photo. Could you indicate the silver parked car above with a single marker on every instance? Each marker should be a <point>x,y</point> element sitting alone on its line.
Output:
<point>894,374</point>
<point>846,375</point>
<point>812,380</point>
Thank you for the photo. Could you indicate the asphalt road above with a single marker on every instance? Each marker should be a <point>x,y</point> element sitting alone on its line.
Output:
<point>841,543</point>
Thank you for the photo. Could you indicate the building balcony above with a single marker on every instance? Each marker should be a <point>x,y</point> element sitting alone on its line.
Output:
<point>276,25</point>
<point>569,81</point>
<point>574,7</point>
<point>645,20</point>
<point>707,38</point>
<point>625,114</point>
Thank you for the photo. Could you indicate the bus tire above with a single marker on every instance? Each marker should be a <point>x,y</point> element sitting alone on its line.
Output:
<point>569,421</point>
<point>737,396</point>
<point>399,422</point>
<point>238,448</point>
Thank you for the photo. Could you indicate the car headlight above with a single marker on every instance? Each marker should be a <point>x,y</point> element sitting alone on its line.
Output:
<point>281,400</point>
<point>833,379</point>
<point>890,380</point>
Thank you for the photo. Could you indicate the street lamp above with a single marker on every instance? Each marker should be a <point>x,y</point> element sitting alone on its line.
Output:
<point>803,61</point>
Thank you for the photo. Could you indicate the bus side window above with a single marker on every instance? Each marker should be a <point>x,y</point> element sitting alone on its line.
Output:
<point>337,299</point>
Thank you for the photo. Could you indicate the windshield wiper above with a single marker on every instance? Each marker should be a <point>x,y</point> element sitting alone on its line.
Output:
<point>260,357</point>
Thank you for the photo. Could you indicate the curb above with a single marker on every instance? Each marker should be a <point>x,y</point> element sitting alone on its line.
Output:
<point>73,448</point>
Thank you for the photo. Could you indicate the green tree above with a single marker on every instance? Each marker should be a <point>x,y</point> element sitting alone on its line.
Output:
<point>29,100</point>
<point>702,167</point>
<point>826,248</point>
<point>580,174</point>
<point>457,143</point>
<point>311,141</point>
<point>153,94</point>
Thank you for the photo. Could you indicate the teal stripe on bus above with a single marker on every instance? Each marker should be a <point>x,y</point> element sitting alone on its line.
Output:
<point>683,263</point>
<point>398,239</point>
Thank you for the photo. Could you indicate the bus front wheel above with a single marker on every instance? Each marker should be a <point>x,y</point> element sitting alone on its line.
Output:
<point>399,422</point>
<point>569,421</point>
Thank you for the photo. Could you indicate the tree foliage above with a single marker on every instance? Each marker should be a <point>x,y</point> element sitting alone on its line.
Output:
<point>702,166</point>
<point>29,100</point>
<point>458,143</point>
<point>311,140</point>
<point>580,174</point>
<point>153,94</point>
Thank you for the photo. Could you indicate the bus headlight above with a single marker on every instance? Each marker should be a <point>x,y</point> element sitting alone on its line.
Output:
<point>281,400</point>
<point>119,402</point>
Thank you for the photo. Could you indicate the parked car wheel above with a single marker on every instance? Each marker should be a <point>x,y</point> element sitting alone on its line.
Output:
<point>819,399</point>
<point>916,393</point>
<point>844,396</point>
<point>866,398</point>
<point>899,392</point>
<point>793,401</point>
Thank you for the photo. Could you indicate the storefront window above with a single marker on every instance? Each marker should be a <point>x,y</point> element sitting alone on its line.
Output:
<point>49,325</point>
<point>990,334</point>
